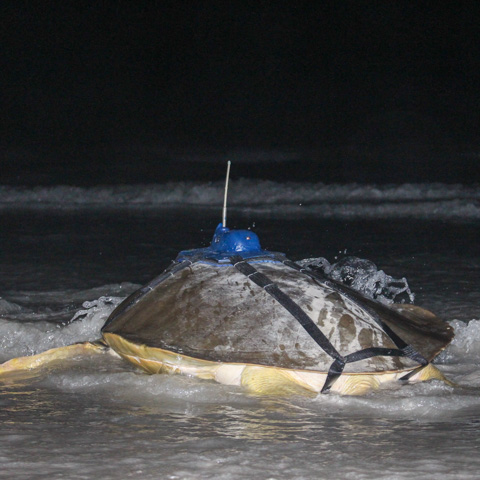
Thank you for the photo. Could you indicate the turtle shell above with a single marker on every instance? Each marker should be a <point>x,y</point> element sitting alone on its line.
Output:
<point>209,310</point>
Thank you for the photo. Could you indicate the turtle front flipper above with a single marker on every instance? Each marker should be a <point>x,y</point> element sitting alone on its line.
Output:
<point>30,365</point>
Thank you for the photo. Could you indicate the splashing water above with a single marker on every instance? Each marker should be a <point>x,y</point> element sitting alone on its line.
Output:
<point>363,275</point>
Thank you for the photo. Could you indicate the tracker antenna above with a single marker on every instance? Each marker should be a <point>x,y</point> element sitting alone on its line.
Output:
<point>224,213</point>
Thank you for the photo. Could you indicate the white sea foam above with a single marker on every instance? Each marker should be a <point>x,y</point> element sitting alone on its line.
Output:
<point>441,201</point>
<point>465,347</point>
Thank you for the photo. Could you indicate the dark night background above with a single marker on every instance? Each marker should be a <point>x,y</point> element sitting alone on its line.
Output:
<point>127,92</point>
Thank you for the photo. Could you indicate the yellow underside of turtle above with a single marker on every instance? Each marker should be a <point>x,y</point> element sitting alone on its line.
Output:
<point>257,379</point>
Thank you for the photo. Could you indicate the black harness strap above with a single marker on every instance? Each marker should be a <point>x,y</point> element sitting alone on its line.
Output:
<point>281,297</point>
<point>373,352</point>
<point>335,370</point>
<point>410,374</point>
<point>408,350</point>
<point>338,365</point>
<point>297,312</point>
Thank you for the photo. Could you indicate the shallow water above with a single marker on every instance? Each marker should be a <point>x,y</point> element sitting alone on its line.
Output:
<point>95,416</point>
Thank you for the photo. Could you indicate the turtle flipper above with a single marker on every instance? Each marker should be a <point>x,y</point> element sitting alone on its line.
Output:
<point>431,372</point>
<point>34,363</point>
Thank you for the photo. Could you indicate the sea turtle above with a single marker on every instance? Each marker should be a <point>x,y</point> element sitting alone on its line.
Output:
<point>241,315</point>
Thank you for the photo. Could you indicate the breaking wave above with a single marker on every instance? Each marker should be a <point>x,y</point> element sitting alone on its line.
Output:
<point>438,201</point>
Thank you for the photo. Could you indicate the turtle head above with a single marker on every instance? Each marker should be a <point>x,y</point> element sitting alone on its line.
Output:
<point>234,241</point>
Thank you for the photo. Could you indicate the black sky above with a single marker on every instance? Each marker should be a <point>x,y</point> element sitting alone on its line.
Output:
<point>357,86</point>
